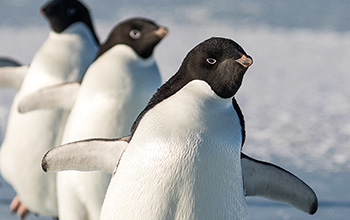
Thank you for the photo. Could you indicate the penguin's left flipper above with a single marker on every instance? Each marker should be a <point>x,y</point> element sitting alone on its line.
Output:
<point>58,96</point>
<point>12,76</point>
<point>272,182</point>
<point>86,155</point>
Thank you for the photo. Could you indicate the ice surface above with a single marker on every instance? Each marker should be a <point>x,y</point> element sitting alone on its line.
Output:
<point>295,97</point>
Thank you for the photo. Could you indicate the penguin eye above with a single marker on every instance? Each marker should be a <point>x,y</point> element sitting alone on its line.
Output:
<point>71,11</point>
<point>211,61</point>
<point>135,34</point>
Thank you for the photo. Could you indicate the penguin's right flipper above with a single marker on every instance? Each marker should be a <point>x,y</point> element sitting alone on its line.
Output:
<point>272,182</point>
<point>12,76</point>
<point>58,96</point>
<point>86,155</point>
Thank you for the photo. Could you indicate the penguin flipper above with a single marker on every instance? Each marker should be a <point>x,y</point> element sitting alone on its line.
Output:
<point>5,61</point>
<point>272,182</point>
<point>57,96</point>
<point>12,76</point>
<point>86,155</point>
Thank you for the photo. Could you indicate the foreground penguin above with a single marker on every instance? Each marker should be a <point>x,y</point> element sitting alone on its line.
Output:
<point>183,157</point>
<point>115,89</point>
<point>70,48</point>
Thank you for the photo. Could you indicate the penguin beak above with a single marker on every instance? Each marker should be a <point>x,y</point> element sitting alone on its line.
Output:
<point>245,61</point>
<point>42,11</point>
<point>161,32</point>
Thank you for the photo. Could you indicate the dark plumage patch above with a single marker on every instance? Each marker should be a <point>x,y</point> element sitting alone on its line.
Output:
<point>313,208</point>
<point>241,119</point>
<point>4,61</point>
<point>138,33</point>
<point>63,13</point>
<point>44,164</point>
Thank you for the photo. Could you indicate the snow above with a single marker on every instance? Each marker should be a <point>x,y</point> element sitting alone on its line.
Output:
<point>295,97</point>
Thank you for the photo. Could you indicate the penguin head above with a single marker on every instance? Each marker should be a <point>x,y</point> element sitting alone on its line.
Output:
<point>220,62</point>
<point>142,35</point>
<point>63,13</point>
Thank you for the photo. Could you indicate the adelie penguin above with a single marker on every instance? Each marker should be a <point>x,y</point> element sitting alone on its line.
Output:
<point>183,157</point>
<point>115,89</point>
<point>66,54</point>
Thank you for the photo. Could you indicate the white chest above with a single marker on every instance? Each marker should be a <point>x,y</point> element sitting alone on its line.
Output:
<point>115,89</point>
<point>182,163</point>
<point>62,58</point>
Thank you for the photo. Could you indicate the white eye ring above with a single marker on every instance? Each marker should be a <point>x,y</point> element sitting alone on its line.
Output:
<point>71,11</point>
<point>211,61</point>
<point>135,34</point>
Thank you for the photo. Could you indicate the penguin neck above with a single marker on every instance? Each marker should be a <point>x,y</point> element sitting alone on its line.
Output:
<point>120,67</point>
<point>175,84</point>
<point>195,109</point>
<point>125,54</point>
<point>198,94</point>
<point>78,29</point>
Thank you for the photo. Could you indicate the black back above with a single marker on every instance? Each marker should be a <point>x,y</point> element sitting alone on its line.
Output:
<point>241,119</point>
<point>63,13</point>
<point>213,61</point>
<point>138,33</point>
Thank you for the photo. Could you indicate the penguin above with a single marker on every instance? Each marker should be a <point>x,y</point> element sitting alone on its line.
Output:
<point>183,158</point>
<point>69,49</point>
<point>114,90</point>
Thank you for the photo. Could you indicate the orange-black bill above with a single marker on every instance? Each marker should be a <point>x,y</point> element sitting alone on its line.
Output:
<point>245,61</point>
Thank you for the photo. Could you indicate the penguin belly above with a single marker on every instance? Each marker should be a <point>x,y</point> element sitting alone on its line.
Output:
<point>182,163</point>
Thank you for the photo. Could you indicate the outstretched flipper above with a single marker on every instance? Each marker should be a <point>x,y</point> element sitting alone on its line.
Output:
<point>11,74</point>
<point>59,96</point>
<point>86,155</point>
<point>5,61</point>
<point>272,182</point>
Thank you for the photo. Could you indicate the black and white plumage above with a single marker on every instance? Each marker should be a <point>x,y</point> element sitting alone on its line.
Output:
<point>115,88</point>
<point>183,157</point>
<point>65,55</point>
